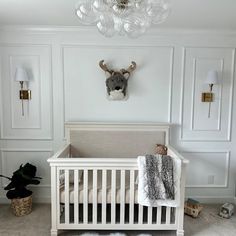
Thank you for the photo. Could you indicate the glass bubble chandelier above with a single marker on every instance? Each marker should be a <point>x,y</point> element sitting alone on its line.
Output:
<point>123,17</point>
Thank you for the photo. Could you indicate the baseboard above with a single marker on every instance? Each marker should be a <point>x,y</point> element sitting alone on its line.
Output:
<point>4,200</point>
<point>213,199</point>
<point>42,199</point>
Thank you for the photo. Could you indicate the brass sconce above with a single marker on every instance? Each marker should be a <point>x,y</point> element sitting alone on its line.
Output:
<point>212,79</point>
<point>25,94</point>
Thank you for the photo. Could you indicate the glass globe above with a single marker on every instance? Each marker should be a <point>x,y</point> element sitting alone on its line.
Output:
<point>142,5</point>
<point>123,17</point>
<point>85,12</point>
<point>100,5</point>
<point>136,25</point>
<point>106,25</point>
<point>121,11</point>
<point>158,11</point>
<point>118,25</point>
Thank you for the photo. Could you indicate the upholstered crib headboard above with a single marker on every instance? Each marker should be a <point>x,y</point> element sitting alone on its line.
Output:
<point>115,140</point>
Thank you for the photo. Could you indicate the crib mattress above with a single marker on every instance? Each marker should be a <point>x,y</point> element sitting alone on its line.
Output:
<point>99,194</point>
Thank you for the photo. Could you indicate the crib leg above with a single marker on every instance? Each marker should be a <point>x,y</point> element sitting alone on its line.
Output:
<point>54,210</point>
<point>180,232</point>
<point>54,232</point>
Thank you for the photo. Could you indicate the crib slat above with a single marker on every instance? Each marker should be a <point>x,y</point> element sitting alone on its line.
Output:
<point>168,215</point>
<point>149,215</point>
<point>131,205</point>
<point>85,202</point>
<point>173,215</point>
<point>140,214</point>
<point>104,195</point>
<point>94,196</point>
<point>113,197</point>
<point>158,215</point>
<point>67,200</point>
<point>76,196</point>
<point>122,197</point>
<point>58,213</point>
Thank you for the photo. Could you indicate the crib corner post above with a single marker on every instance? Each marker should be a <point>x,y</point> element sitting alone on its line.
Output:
<point>54,232</point>
<point>180,222</point>
<point>180,233</point>
<point>54,210</point>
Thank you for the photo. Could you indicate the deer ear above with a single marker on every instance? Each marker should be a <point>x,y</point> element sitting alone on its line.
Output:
<point>108,73</point>
<point>125,73</point>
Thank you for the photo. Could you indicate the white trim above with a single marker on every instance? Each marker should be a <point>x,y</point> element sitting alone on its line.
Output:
<point>181,118</point>
<point>171,74</point>
<point>171,85</point>
<point>227,168</point>
<point>218,129</point>
<point>25,150</point>
<point>3,166</point>
<point>153,31</point>
<point>231,95</point>
<point>63,88</point>
<point>51,131</point>
<point>213,199</point>
<point>11,57</point>
<point>183,75</point>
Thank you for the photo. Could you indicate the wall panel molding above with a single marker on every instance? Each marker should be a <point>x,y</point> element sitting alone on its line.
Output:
<point>203,153</point>
<point>192,128</point>
<point>5,167</point>
<point>222,59</point>
<point>14,88</point>
<point>37,58</point>
<point>171,49</point>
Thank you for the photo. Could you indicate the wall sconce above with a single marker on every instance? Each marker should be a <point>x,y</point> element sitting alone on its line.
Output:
<point>212,79</point>
<point>22,76</point>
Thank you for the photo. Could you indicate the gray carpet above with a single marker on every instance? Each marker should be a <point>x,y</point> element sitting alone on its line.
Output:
<point>38,224</point>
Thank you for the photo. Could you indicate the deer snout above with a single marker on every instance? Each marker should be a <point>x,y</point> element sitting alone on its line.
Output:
<point>117,88</point>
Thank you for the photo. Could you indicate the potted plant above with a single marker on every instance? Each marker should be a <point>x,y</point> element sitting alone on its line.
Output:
<point>20,196</point>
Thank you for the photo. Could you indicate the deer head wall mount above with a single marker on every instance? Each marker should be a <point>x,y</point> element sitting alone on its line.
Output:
<point>117,81</point>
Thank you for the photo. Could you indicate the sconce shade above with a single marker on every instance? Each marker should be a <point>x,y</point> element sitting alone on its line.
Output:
<point>21,74</point>
<point>212,77</point>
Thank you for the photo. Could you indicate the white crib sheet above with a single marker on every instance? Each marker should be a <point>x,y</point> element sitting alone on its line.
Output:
<point>99,189</point>
<point>99,195</point>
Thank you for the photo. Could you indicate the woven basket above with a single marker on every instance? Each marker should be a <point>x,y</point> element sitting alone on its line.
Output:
<point>21,206</point>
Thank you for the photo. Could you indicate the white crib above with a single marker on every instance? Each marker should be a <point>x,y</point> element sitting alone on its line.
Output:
<point>93,179</point>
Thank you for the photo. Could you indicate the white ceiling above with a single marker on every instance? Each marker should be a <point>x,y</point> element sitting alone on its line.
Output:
<point>189,14</point>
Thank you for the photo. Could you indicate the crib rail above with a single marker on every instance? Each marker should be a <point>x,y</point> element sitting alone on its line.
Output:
<point>110,201</point>
<point>106,202</point>
<point>64,158</point>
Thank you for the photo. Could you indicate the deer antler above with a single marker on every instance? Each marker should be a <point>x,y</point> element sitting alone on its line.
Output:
<point>104,67</point>
<point>132,67</point>
<point>128,71</point>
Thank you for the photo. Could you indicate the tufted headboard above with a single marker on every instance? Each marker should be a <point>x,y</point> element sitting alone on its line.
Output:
<point>115,140</point>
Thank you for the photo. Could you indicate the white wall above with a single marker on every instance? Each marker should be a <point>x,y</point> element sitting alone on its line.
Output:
<point>68,85</point>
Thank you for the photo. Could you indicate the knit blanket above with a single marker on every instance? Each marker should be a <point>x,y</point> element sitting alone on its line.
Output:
<point>159,181</point>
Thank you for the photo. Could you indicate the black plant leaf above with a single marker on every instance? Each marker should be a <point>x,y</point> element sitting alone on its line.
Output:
<point>21,178</point>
